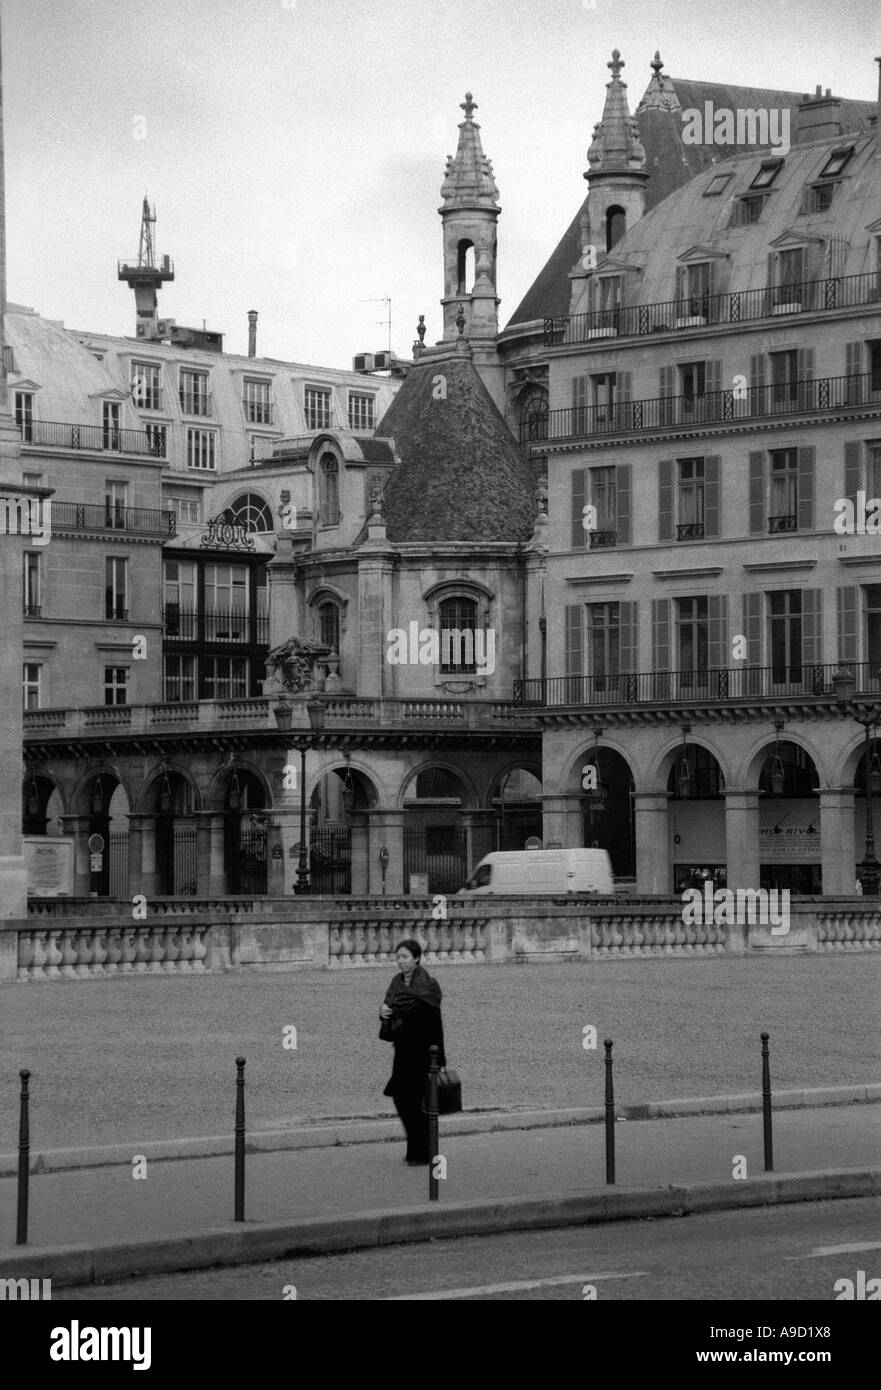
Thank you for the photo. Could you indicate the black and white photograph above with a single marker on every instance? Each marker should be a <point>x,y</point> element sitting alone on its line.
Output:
<point>440,696</point>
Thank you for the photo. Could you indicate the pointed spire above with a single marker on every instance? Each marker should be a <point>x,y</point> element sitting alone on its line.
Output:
<point>469,174</point>
<point>660,94</point>
<point>616,145</point>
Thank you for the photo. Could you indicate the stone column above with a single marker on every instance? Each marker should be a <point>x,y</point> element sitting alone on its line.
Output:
<point>652,833</point>
<point>203,854</point>
<point>386,828</point>
<point>839,847</point>
<point>136,831</point>
<point>479,829</point>
<point>78,828</point>
<point>742,838</point>
<point>561,820</point>
<point>360,828</point>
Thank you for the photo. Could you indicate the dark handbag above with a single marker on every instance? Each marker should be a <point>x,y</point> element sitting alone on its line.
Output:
<point>389,1028</point>
<point>449,1092</point>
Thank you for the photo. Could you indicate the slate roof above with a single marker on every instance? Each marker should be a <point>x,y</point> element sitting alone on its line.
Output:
<point>461,477</point>
<point>670,165</point>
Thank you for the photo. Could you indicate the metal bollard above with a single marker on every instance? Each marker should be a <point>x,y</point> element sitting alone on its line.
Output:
<point>610,1114</point>
<point>24,1162</point>
<point>766,1105</point>
<point>433,1182</point>
<point>240,1139</point>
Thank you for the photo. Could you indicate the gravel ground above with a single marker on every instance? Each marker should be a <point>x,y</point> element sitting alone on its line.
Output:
<point>131,1060</point>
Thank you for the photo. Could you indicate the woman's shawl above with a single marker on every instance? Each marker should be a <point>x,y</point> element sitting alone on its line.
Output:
<point>401,998</point>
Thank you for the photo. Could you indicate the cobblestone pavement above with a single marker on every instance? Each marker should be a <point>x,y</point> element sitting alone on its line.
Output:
<point>154,1058</point>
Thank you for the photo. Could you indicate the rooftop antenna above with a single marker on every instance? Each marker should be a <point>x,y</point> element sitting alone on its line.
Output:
<point>387,320</point>
<point>145,276</point>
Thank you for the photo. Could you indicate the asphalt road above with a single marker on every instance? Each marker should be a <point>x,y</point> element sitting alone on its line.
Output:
<point>789,1252</point>
<point>122,1060</point>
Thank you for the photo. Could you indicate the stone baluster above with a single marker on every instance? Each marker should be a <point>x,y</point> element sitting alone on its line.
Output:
<point>25,955</point>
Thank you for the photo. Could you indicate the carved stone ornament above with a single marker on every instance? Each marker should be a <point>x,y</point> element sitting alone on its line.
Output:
<point>297,665</point>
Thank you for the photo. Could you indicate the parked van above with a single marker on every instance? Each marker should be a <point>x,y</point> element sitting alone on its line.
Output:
<point>542,871</point>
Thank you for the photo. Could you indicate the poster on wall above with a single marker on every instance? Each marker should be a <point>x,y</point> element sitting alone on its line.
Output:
<point>789,844</point>
<point>49,864</point>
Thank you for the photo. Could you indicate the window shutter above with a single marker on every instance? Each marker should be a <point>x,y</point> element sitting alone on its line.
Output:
<point>622,502</point>
<point>628,638</point>
<point>713,376</point>
<point>665,500</point>
<point>812,626</point>
<point>579,401</point>
<point>752,628</point>
<point>847,623</point>
<point>805,374</point>
<point>852,459</point>
<point>757,382</point>
<point>680,284</point>
<point>667,392</point>
<point>712,495</point>
<point>624,408</point>
<point>711,283</point>
<point>717,644</point>
<point>806,489</point>
<point>661,634</point>
<point>756,493</point>
<point>580,537</point>
<point>574,644</point>
<point>623,385</point>
<point>853,367</point>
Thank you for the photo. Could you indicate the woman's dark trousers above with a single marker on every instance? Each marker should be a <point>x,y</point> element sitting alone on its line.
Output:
<point>409,1106</point>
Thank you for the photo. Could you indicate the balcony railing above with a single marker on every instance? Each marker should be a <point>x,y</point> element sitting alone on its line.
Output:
<point>815,680</point>
<point>777,525</point>
<point>741,306</point>
<point>716,407</point>
<point>50,434</point>
<point>690,531</point>
<point>91,516</point>
<point>218,625</point>
<point>347,712</point>
<point>33,610</point>
<point>194,403</point>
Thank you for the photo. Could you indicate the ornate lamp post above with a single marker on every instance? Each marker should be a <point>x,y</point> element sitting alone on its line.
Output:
<point>315,710</point>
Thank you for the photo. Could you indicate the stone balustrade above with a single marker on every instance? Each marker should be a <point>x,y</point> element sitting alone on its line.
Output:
<point>90,938</point>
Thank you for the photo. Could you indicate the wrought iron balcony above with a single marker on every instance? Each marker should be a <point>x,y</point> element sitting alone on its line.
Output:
<point>749,683</point>
<point>92,516</point>
<point>690,531</point>
<point>778,524</point>
<point>740,306</point>
<point>603,540</point>
<point>196,403</point>
<point>51,434</point>
<point>815,397</point>
<point>218,625</point>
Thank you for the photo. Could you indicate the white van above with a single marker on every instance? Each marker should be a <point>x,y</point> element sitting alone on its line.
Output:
<point>535,871</point>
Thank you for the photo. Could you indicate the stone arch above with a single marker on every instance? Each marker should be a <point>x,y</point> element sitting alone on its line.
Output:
<point>151,788</point>
<point>43,799</point>
<point>429,764</point>
<point>220,785</point>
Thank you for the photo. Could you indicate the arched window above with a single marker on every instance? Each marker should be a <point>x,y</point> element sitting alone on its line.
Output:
<point>252,512</point>
<point>465,268</point>
<point>534,414</point>
<point>330,490</point>
<point>616,221</point>
<point>329,625</point>
<point>458,624</point>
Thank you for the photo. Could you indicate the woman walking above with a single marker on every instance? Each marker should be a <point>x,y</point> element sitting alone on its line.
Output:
<point>411,1013</point>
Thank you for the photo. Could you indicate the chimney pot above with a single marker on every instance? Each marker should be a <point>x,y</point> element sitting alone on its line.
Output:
<point>252,332</point>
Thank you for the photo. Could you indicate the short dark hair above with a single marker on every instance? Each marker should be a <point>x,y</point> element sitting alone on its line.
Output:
<point>412,946</point>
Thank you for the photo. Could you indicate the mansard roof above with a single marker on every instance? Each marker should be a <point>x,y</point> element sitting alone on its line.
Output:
<point>461,477</point>
<point>671,164</point>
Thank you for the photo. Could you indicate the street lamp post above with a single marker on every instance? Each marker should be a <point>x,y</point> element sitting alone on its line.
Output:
<point>315,710</point>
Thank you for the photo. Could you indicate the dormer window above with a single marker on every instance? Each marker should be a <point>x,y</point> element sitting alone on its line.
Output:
<point>718,183</point>
<point>819,197</point>
<point>329,497</point>
<point>768,171</point>
<point>836,162</point>
<point>747,211</point>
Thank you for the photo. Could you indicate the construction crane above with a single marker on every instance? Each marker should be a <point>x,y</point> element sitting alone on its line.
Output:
<point>145,276</point>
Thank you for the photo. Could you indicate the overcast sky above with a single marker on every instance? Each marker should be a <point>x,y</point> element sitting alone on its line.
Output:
<point>294,149</point>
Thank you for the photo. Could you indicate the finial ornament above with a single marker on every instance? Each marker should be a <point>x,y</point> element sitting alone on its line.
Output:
<point>657,64</point>
<point>469,106</point>
<point>617,62</point>
<point>420,330</point>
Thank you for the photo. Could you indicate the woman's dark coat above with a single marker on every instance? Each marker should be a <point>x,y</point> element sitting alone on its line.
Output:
<point>416,1007</point>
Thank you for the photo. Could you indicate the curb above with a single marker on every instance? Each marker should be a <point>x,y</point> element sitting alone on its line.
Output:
<point>469,1122</point>
<point>73,1265</point>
